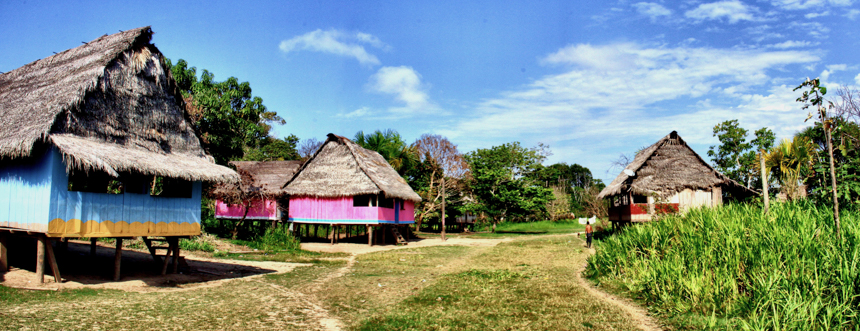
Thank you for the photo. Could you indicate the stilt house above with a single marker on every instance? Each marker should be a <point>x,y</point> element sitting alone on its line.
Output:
<point>258,195</point>
<point>345,184</point>
<point>666,177</point>
<point>96,142</point>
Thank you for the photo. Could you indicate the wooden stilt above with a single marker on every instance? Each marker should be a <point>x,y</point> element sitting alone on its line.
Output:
<point>4,259</point>
<point>166,261</point>
<point>92,246</point>
<point>369,235</point>
<point>331,231</point>
<point>40,261</point>
<point>52,260</point>
<point>64,244</point>
<point>175,255</point>
<point>117,259</point>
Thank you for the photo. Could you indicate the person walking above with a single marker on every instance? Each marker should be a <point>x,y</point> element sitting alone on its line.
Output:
<point>589,233</point>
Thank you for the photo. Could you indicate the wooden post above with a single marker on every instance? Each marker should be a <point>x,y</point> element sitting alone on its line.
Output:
<point>40,261</point>
<point>92,246</point>
<point>764,183</point>
<point>4,259</point>
<point>369,235</point>
<point>166,261</point>
<point>52,260</point>
<point>443,207</point>
<point>175,246</point>
<point>331,232</point>
<point>117,259</point>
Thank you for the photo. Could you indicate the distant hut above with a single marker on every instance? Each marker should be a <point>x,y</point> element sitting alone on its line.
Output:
<point>666,177</point>
<point>96,143</point>
<point>258,195</point>
<point>345,184</point>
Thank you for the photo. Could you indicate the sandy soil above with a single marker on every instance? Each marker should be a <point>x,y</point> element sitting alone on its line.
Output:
<point>355,248</point>
<point>140,273</point>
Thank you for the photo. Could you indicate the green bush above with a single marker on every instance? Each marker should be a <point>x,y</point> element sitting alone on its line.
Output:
<point>784,270</point>
<point>277,238</point>
<point>202,243</point>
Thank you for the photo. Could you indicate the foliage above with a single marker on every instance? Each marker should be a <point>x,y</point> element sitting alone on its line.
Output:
<point>563,175</point>
<point>501,185</point>
<point>735,157</point>
<point>438,159</point>
<point>275,239</point>
<point>791,162</point>
<point>273,149</point>
<point>846,161</point>
<point>586,203</point>
<point>559,206</point>
<point>226,116</point>
<point>202,243</point>
<point>391,146</point>
<point>747,269</point>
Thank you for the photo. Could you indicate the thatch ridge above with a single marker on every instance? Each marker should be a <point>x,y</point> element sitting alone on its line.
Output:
<point>110,105</point>
<point>263,178</point>
<point>340,168</point>
<point>667,167</point>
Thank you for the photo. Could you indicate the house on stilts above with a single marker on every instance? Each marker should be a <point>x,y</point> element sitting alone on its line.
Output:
<point>667,177</point>
<point>258,196</point>
<point>96,143</point>
<point>343,184</point>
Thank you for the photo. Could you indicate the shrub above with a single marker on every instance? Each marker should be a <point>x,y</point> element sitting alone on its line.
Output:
<point>277,238</point>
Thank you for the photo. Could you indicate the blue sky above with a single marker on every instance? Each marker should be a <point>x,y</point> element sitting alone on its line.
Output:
<point>592,79</point>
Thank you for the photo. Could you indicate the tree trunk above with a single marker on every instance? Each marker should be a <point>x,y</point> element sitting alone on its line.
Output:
<point>832,178</point>
<point>443,208</point>
<point>764,184</point>
<point>239,223</point>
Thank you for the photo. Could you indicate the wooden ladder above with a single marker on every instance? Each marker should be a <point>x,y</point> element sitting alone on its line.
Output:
<point>171,247</point>
<point>398,237</point>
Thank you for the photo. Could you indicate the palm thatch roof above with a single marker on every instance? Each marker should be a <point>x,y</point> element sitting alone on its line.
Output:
<point>667,167</point>
<point>110,105</point>
<point>341,168</point>
<point>265,179</point>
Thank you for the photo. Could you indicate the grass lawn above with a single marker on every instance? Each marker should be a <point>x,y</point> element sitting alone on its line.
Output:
<point>528,284</point>
<point>509,230</point>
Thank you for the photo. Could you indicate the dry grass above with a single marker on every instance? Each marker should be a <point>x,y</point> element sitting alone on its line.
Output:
<point>527,284</point>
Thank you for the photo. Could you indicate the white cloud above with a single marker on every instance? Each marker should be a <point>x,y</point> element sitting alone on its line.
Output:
<point>336,42</point>
<point>793,44</point>
<point>815,14</point>
<point>631,99</point>
<point>814,29</point>
<point>857,79</point>
<point>360,112</point>
<point>825,75</point>
<point>652,10</point>
<point>404,83</point>
<point>808,4</point>
<point>732,10</point>
<point>852,14</point>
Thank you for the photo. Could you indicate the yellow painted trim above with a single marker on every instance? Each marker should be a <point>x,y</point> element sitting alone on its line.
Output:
<point>76,228</point>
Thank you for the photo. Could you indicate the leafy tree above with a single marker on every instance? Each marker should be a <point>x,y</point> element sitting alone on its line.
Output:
<point>846,161</point>
<point>792,162</point>
<point>391,146</point>
<point>274,149</point>
<point>440,164</point>
<point>226,115</point>
<point>735,157</point>
<point>501,185</point>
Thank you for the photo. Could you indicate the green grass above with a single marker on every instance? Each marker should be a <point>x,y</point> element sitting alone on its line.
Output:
<point>509,229</point>
<point>735,268</point>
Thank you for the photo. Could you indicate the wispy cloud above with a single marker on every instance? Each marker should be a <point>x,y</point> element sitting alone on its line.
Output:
<point>652,10</point>
<point>358,113</point>
<point>852,14</point>
<point>404,83</point>
<point>349,44</point>
<point>808,4</point>
<point>634,94</point>
<point>734,11</point>
<point>793,44</point>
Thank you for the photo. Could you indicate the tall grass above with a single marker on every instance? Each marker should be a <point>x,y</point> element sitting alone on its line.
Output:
<point>738,268</point>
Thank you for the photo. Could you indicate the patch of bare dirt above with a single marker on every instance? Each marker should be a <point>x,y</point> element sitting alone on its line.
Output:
<point>139,272</point>
<point>413,243</point>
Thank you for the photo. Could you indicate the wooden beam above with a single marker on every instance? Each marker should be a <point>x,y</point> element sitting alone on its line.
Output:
<point>92,246</point>
<point>117,259</point>
<point>175,245</point>
<point>40,261</point>
<point>369,235</point>
<point>165,262</point>
<point>4,259</point>
<point>52,260</point>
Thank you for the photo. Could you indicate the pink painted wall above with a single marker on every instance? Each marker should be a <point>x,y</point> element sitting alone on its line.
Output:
<point>260,209</point>
<point>341,210</point>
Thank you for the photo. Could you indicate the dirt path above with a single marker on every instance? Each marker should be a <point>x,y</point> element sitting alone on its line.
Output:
<point>639,315</point>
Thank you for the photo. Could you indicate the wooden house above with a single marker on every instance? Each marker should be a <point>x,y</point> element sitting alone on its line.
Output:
<point>96,142</point>
<point>345,184</point>
<point>258,195</point>
<point>666,177</point>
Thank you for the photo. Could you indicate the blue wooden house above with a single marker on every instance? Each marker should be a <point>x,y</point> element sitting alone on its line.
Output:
<point>96,142</point>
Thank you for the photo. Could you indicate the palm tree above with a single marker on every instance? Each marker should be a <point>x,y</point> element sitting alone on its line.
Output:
<point>391,146</point>
<point>791,161</point>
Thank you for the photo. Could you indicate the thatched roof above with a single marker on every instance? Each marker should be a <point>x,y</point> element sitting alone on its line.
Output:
<point>342,168</point>
<point>258,178</point>
<point>667,167</point>
<point>110,105</point>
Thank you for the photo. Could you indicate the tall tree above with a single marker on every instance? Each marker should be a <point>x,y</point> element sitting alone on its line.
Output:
<point>735,157</point>
<point>401,156</point>
<point>501,185</point>
<point>226,115</point>
<point>792,161</point>
<point>815,98</point>
<point>440,163</point>
<point>273,149</point>
<point>309,147</point>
